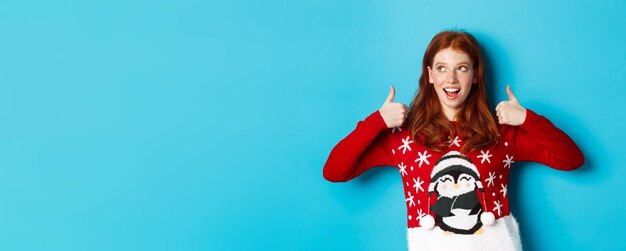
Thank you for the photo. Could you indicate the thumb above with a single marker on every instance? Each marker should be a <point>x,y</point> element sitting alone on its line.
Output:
<point>392,93</point>
<point>510,93</point>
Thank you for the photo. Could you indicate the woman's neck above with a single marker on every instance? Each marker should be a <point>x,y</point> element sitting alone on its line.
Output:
<point>451,114</point>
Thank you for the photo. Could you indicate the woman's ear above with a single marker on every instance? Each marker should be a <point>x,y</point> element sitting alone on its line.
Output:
<point>475,80</point>
<point>430,79</point>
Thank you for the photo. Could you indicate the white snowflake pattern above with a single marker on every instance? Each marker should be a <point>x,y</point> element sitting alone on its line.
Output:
<point>423,157</point>
<point>420,214</point>
<point>418,185</point>
<point>492,176</point>
<point>456,141</point>
<point>503,190</point>
<point>498,207</point>
<point>484,156</point>
<point>405,144</point>
<point>508,161</point>
<point>393,151</point>
<point>410,200</point>
<point>402,168</point>
<point>393,129</point>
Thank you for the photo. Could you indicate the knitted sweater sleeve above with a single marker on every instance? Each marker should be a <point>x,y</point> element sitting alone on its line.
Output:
<point>540,141</point>
<point>365,147</point>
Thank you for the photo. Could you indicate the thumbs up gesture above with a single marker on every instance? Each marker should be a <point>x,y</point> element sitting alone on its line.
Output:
<point>510,112</point>
<point>393,113</point>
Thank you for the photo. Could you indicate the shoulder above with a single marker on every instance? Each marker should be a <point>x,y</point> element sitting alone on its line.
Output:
<point>399,135</point>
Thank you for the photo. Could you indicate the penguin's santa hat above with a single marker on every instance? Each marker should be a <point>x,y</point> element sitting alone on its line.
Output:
<point>452,161</point>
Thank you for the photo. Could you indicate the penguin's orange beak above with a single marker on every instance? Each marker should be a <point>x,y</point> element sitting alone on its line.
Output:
<point>456,186</point>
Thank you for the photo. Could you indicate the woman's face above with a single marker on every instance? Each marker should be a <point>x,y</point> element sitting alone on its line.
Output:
<point>452,75</point>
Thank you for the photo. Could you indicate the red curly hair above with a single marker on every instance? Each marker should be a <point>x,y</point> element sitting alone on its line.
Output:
<point>426,120</point>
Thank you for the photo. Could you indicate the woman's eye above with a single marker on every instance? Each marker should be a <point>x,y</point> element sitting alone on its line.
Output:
<point>440,68</point>
<point>463,68</point>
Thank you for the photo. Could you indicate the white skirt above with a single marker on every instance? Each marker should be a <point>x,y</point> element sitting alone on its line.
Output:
<point>503,234</point>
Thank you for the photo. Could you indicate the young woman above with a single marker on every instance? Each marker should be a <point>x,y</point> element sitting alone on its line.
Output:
<point>453,154</point>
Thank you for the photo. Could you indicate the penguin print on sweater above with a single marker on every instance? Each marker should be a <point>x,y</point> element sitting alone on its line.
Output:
<point>455,180</point>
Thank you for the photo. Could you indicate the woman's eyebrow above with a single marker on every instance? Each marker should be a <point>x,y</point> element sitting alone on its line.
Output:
<point>437,63</point>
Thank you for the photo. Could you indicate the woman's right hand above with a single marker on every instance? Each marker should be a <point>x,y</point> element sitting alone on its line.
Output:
<point>393,113</point>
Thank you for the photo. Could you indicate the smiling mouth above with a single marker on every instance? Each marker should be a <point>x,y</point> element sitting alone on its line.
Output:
<point>451,93</point>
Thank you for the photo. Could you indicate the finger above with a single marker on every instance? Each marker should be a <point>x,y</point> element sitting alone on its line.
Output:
<point>392,93</point>
<point>510,93</point>
<point>501,105</point>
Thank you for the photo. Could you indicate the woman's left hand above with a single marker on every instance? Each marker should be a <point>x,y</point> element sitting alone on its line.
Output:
<point>510,112</point>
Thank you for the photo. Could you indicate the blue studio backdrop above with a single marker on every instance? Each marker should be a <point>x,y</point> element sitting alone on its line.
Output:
<point>205,125</point>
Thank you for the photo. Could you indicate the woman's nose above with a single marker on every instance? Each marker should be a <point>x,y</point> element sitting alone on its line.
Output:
<point>451,77</point>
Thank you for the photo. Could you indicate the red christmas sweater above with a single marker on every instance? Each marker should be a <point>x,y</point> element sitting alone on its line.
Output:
<point>455,191</point>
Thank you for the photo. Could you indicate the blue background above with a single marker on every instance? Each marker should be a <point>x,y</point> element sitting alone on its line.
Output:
<point>195,125</point>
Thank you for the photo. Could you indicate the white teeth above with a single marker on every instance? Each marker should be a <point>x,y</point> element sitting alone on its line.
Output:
<point>451,89</point>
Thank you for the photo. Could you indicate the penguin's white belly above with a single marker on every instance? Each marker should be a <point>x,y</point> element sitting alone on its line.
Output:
<point>461,219</point>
